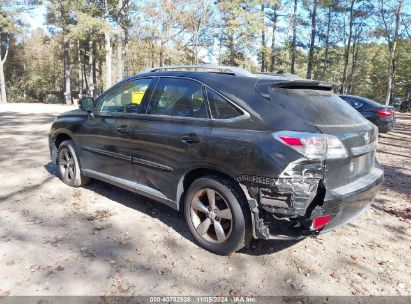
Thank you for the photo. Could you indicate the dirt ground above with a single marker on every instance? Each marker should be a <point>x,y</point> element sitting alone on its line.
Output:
<point>102,240</point>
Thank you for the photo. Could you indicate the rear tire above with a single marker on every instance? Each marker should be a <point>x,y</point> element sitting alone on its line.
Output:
<point>69,165</point>
<point>217,214</point>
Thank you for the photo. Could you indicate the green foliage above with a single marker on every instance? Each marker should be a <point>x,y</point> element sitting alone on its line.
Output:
<point>154,32</point>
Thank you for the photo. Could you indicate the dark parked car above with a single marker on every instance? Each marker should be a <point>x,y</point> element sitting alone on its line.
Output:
<point>243,155</point>
<point>380,115</point>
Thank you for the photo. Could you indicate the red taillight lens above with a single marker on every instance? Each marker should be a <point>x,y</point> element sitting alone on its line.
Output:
<point>292,141</point>
<point>320,222</point>
<point>384,112</point>
<point>312,145</point>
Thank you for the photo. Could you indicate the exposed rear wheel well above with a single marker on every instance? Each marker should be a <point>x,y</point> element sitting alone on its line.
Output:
<point>197,173</point>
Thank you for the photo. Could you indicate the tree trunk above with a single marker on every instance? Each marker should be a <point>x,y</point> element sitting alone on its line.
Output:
<point>67,71</point>
<point>195,46</point>
<point>120,46</point>
<point>327,44</point>
<point>99,73</point>
<point>355,48</point>
<point>273,51</point>
<point>108,49</point>
<point>263,43</point>
<point>312,42</point>
<point>152,51</point>
<point>294,38</point>
<point>3,94</point>
<point>80,70</point>
<point>91,65</point>
<point>94,70</point>
<point>391,64</point>
<point>119,53</point>
<point>347,48</point>
<point>109,52</point>
<point>126,64</point>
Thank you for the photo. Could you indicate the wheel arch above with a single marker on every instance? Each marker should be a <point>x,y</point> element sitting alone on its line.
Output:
<point>60,137</point>
<point>55,140</point>
<point>187,179</point>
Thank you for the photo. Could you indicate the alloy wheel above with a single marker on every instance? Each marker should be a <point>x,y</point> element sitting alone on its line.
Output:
<point>211,216</point>
<point>67,165</point>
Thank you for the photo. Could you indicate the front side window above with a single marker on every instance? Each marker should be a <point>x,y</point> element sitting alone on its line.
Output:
<point>220,107</point>
<point>178,97</point>
<point>124,98</point>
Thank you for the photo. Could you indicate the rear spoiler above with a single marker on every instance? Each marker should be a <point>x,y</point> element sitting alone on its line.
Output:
<point>264,84</point>
<point>303,84</point>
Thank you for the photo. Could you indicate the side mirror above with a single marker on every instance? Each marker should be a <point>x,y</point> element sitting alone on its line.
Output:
<point>87,104</point>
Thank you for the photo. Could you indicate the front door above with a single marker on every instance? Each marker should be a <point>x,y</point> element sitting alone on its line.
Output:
<point>105,137</point>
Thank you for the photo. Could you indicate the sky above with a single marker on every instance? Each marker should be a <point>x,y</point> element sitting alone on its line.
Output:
<point>35,18</point>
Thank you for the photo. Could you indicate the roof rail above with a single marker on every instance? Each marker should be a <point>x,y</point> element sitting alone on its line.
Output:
<point>221,68</point>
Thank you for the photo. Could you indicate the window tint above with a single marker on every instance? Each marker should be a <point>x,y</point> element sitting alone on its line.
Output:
<point>178,97</point>
<point>220,107</point>
<point>125,98</point>
<point>312,104</point>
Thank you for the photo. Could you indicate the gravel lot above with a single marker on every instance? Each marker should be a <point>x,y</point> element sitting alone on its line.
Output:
<point>102,240</point>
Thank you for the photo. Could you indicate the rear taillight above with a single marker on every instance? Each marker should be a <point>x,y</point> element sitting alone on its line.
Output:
<point>320,222</point>
<point>313,145</point>
<point>384,112</point>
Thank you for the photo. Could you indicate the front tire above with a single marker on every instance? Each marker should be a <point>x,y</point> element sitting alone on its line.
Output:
<point>217,214</point>
<point>69,165</point>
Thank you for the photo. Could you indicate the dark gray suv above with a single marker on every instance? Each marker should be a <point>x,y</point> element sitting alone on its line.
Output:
<point>268,156</point>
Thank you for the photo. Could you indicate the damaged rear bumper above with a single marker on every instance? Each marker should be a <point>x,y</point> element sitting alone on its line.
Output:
<point>348,202</point>
<point>343,204</point>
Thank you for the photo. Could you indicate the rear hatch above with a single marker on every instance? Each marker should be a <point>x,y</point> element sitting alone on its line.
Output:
<point>315,103</point>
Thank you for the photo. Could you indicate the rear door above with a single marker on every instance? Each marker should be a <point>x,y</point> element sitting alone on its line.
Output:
<point>332,115</point>
<point>170,135</point>
<point>105,138</point>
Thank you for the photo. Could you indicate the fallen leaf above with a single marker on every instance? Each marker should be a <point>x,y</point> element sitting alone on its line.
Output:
<point>163,270</point>
<point>130,260</point>
<point>334,275</point>
<point>60,268</point>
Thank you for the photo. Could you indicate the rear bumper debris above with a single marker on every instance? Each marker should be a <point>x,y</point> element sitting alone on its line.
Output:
<point>285,208</point>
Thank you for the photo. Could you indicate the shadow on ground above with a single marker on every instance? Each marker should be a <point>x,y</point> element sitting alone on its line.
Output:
<point>167,215</point>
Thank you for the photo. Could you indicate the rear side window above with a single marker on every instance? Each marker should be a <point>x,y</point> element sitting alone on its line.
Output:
<point>178,97</point>
<point>220,107</point>
<point>317,107</point>
<point>355,103</point>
